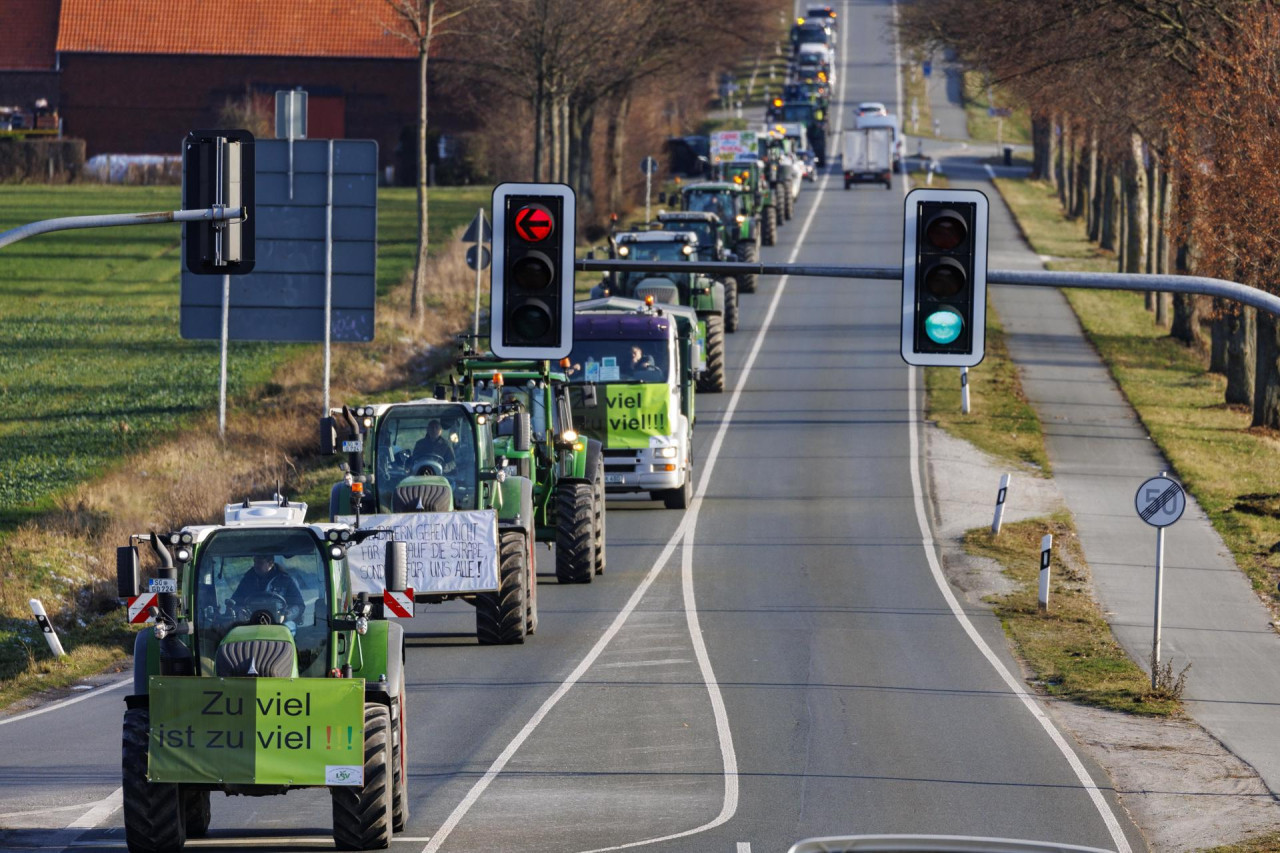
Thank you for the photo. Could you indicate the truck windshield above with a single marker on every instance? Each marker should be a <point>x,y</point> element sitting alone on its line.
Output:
<point>618,361</point>
<point>415,441</point>
<point>261,576</point>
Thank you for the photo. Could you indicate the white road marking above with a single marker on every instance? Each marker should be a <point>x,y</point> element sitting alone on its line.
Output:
<point>627,663</point>
<point>99,811</point>
<point>744,847</point>
<point>65,702</point>
<point>1016,686</point>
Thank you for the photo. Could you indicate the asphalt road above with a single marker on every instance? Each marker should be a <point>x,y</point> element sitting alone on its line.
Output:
<point>778,662</point>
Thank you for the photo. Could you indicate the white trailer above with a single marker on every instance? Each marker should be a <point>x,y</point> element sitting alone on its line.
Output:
<point>868,156</point>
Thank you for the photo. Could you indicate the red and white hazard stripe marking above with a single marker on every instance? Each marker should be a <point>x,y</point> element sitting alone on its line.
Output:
<point>398,603</point>
<point>139,605</point>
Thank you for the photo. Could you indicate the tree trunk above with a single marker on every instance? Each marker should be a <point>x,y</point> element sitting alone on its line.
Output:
<point>1242,356</point>
<point>1107,237</point>
<point>539,116</point>
<point>615,142</point>
<point>1093,202</point>
<point>581,163</point>
<point>417,296</point>
<point>1218,337</point>
<point>1080,176</point>
<point>1055,153</point>
<point>1266,397</point>
<point>1040,147</point>
<point>1066,155</point>
<point>1138,212</point>
<point>1186,319</point>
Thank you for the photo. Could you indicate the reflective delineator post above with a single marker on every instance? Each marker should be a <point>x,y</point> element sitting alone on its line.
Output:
<point>1046,556</point>
<point>964,390</point>
<point>1000,498</point>
<point>1159,614</point>
<point>50,636</point>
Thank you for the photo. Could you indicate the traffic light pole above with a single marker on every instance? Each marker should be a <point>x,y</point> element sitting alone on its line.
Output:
<point>70,223</point>
<point>1218,287</point>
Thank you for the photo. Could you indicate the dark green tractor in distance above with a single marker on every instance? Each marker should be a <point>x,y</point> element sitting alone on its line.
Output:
<point>264,672</point>
<point>731,204</point>
<point>703,294</point>
<point>777,150</point>
<point>809,114</point>
<point>754,176</point>
<point>428,470</point>
<point>710,247</point>
<point>567,469</point>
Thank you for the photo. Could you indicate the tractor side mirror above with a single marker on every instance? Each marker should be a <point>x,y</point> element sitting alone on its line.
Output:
<point>662,198</point>
<point>591,254</point>
<point>128,582</point>
<point>328,436</point>
<point>589,398</point>
<point>397,567</point>
<point>441,393</point>
<point>523,438</point>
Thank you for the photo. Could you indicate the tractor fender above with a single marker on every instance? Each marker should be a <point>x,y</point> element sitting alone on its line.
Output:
<point>390,689</point>
<point>595,458</point>
<point>339,500</point>
<point>141,646</point>
<point>516,512</point>
<point>717,297</point>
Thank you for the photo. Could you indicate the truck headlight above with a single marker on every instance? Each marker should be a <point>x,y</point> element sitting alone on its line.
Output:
<point>666,452</point>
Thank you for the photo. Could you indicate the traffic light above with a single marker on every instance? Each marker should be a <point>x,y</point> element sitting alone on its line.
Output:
<point>218,168</point>
<point>531,295</point>
<point>944,277</point>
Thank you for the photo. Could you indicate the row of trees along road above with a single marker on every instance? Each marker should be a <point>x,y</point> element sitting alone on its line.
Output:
<point>1157,123</point>
<point>580,66</point>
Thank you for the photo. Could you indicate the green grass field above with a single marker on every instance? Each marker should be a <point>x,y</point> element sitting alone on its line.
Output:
<point>92,367</point>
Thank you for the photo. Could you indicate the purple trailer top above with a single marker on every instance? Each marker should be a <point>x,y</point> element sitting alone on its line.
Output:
<point>629,327</point>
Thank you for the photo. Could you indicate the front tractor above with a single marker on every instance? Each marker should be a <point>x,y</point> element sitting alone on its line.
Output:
<point>427,471</point>
<point>733,207</point>
<point>263,672</point>
<point>536,434</point>
<point>709,298</point>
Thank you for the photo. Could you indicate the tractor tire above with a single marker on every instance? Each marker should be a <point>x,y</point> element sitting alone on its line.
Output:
<point>748,254</point>
<point>196,813</point>
<point>598,506</point>
<point>399,764</point>
<point>769,226</point>
<point>730,305</point>
<point>362,816</point>
<point>531,591</point>
<point>575,533</point>
<point>712,379</point>
<point>152,810</point>
<point>788,202</point>
<point>501,617</point>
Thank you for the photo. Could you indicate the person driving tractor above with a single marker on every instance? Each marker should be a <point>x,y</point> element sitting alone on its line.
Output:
<point>268,578</point>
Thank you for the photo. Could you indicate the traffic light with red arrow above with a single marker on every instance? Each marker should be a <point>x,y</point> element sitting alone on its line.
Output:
<point>531,295</point>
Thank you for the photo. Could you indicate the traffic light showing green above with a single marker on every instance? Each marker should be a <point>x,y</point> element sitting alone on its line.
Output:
<point>944,277</point>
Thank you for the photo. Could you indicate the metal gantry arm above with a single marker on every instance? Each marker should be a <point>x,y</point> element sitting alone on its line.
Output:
<point>1218,287</point>
<point>68,223</point>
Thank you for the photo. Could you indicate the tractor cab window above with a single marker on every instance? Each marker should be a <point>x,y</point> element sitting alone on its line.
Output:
<point>706,232</point>
<point>797,113</point>
<point>719,202</point>
<point>248,577</point>
<point>615,361</point>
<point>426,441</point>
<point>673,252</point>
<point>531,400</point>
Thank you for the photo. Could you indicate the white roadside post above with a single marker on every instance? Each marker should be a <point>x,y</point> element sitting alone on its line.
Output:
<point>964,390</point>
<point>50,636</point>
<point>648,165</point>
<point>1046,556</point>
<point>1000,498</point>
<point>1160,502</point>
<point>479,233</point>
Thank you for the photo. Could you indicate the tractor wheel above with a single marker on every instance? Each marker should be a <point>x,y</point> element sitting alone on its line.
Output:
<point>575,533</point>
<point>399,764</point>
<point>500,616</point>
<point>712,379</point>
<point>788,201</point>
<point>362,815</point>
<point>769,226</point>
<point>730,305</point>
<point>531,591</point>
<point>748,253</point>
<point>597,504</point>
<point>196,813</point>
<point>152,810</point>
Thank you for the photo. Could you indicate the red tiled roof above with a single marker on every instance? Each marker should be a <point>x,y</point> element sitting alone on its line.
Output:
<point>28,31</point>
<point>339,28</point>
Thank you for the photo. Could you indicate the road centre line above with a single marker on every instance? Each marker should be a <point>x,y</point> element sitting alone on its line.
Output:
<point>914,425</point>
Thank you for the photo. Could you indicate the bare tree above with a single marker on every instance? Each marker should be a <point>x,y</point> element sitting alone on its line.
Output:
<point>420,22</point>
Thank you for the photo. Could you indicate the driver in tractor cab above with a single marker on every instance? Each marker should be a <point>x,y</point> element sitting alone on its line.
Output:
<point>434,444</point>
<point>268,578</point>
<point>641,362</point>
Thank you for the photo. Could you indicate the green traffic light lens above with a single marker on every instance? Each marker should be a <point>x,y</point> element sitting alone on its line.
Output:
<point>943,326</point>
<point>532,272</point>
<point>531,322</point>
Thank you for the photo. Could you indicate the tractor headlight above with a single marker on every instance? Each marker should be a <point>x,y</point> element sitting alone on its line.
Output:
<point>687,249</point>
<point>337,552</point>
<point>182,555</point>
<point>666,452</point>
<point>623,251</point>
<point>569,436</point>
<point>362,625</point>
<point>482,419</point>
<point>740,219</point>
<point>344,536</point>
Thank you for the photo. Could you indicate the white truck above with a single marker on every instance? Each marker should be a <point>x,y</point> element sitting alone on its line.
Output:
<point>889,121</point>
<point>867,156</point>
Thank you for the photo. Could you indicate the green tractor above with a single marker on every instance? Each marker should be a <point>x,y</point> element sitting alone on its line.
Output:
<point>785,176</point>
<point>708,297</point>
<point>710,247</point>
<point>428,471</point>
<point>733,205</point>
<point>265,671</point>
<point>566,469</point>
<point>759,179</point>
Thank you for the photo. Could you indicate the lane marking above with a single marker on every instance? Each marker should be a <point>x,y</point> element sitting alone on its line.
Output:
<point>622,664</point>
<point>935,569</point>
<point>99,811</point>
<point>744,847</point>
<point>65,702</point>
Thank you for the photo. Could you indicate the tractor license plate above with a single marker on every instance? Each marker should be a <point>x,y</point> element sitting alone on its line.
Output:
<point>615,478</point>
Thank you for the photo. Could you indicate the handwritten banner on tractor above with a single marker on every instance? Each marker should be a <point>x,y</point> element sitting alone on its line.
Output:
<point>257,731</point>
<point>447,551</point>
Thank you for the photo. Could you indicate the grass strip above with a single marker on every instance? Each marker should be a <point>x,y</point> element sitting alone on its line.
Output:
<point>1228,467</point>
<point>1070,648</point>
<point>984,127</point>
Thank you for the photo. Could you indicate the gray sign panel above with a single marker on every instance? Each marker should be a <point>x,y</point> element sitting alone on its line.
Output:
<point>283,298</point>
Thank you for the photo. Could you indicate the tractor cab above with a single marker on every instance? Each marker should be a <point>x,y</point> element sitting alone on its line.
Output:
<point>670,287</point>
<point>706,227</point>
<point>726,200</point>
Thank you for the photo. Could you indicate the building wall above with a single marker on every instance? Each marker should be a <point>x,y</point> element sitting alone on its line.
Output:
<point>145,104</point>
<point>24,88</point>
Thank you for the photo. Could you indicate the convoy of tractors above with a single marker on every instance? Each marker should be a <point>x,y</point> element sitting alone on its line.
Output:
<point>274,659</point>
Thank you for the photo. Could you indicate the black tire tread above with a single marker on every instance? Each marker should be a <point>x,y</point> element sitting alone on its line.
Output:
<point>501,617</point>
<point>575,533</point>
<point>598,505</point>
<point>711,381</point>
<point>196,813</point>
<point>748,254</point>
<point>400,779</point>
<point>362,816</point>
<point>152,810</point>
<point>768,226</point>
<point>730,305</point>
